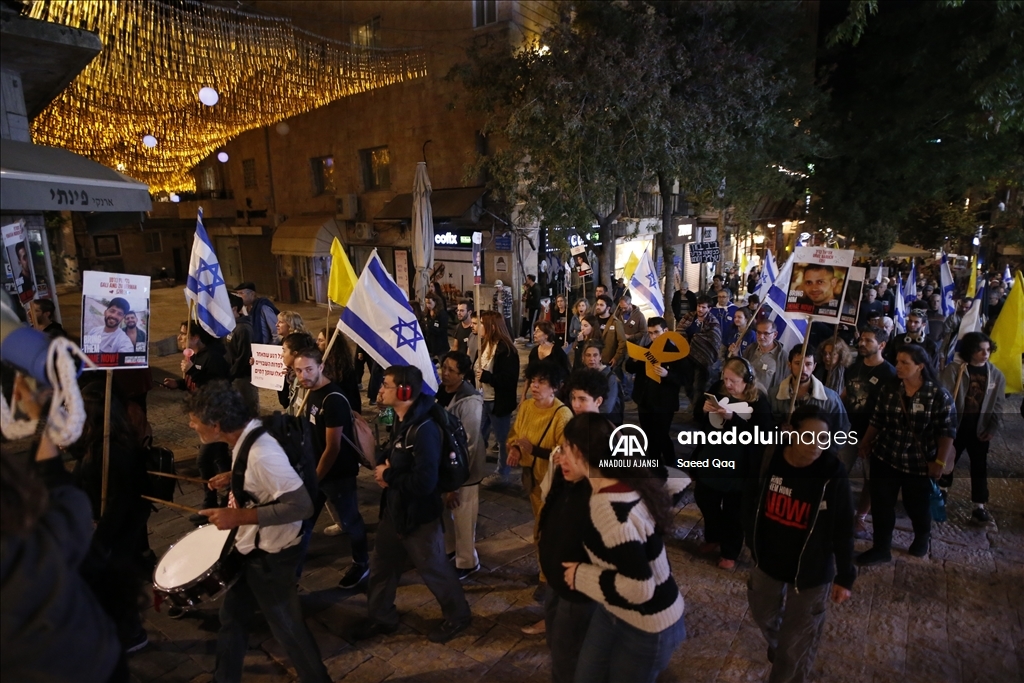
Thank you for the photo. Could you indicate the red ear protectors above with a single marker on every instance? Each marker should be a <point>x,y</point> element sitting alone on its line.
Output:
<point>403,392</point>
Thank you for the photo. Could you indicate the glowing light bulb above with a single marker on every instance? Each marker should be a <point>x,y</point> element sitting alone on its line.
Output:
<point>175,198</point>
<point>208,96</point>
<point>222,157</point>
<point>149,141</point>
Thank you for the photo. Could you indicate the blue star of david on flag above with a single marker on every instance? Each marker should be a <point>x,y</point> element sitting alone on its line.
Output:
<point>411,341</point>
<point>205,286</point>
<point>215,279</point>
<point>644,287</point>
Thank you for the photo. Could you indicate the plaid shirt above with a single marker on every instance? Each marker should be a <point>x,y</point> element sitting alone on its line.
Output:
<point>908,436</point>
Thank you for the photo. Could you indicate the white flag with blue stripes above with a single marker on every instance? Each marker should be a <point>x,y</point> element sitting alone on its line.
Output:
<point>380,320</point>
<point>769,273</point>
<point>971,321</point>
<point>791,331</point>
<point>910,291</point>
<point>645,290</point>
<point>206,287</point>
<point>900,314</point>
<point>1007,278</point>
<point>946,285</point>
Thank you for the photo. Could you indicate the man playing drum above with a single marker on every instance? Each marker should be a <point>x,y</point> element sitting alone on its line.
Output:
<point>268,536</point>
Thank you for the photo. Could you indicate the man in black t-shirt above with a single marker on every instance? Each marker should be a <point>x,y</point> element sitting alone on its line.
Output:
<point>330,422</point>
<point>463,330</point>
<point>862,383</point>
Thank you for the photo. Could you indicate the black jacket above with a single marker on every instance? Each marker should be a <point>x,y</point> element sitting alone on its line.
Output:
<point>435,329</point>
<point>207,365</point>
<point>504,378</point>
<point>411,497</point>
<point>825,551</point>
<point>656,397</point>
<point>239,349</point>
<point>746,456</point>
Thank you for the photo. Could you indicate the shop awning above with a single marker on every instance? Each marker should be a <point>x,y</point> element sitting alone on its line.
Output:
<point>445,204</point>
<point>305,236</point>
<point>38,178</point>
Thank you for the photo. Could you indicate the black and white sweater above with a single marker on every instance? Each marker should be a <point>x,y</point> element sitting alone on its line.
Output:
<point>628,572</point>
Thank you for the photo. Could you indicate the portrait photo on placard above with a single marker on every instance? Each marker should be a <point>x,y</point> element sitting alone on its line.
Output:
<point>115,319</point>
<point>818,283</point>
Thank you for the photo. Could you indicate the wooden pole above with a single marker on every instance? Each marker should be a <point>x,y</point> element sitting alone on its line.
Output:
<point>106,442</point>
<point>327,352</point>
<point>796,383</point>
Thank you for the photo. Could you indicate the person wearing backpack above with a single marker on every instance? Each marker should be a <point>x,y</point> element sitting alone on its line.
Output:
<point>410,513</point>
<point>267,536</point>
<point>330,422</point>
<point>460,399</point>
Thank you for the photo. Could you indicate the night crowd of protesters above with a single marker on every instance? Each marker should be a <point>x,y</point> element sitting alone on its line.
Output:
<point>613,610</point>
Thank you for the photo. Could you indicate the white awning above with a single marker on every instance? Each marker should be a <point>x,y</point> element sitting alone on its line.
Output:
<point>305,236</point>
<point>38,178</point>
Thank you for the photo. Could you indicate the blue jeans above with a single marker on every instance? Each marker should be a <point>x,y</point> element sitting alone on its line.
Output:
<point>615,652</point>
<point>501,426</point>
<point>267,581</point>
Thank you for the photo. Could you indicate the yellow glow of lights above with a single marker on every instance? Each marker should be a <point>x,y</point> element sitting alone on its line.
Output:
<point>155,59</point>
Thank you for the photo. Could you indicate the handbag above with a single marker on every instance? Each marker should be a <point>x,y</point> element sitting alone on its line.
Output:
<point>937,503</point>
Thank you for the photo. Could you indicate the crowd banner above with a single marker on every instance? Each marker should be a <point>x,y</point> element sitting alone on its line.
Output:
<point>22,283</point>
<point>579,258</point>
<point>115,319</point>
<point>818,283</point>
<point>268,371</point>
<point>852,297</point>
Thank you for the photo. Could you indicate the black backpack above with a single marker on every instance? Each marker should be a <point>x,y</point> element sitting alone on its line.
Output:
<point>453,466</point>
<point>159,460</point>
<point>292,433</point>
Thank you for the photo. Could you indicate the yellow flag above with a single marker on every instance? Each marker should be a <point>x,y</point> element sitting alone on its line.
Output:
<point>631,263</point>
<point>343,277</point>
<point>1008,335</point>
<point>972,284</point>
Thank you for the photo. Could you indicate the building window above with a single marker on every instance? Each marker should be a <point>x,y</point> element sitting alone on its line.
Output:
<point>151,242</point>
<point>376,165</point>
<point>323,175</point>
<point>249,172</point>
<point>208,179</point>
<point>108,245</point>
<point>366,35</point>
<point>484,12</point>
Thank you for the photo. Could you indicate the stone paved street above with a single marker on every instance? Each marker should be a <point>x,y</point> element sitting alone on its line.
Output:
<point>957,616</point>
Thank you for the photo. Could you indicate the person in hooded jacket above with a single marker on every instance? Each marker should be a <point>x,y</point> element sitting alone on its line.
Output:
<point>410,513</point>
<point>801,540</point>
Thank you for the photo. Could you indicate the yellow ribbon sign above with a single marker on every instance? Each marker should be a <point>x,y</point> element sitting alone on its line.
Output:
<point>657,355</point>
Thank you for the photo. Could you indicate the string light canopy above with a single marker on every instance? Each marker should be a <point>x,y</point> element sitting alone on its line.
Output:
<point>158,57</point>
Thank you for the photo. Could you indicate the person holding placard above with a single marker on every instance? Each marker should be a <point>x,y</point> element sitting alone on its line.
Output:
<point>737,403</point>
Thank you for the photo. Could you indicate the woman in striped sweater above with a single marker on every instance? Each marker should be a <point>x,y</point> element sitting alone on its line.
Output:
<point>640,617</point>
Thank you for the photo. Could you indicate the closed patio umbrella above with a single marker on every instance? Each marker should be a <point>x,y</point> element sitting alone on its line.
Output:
<point>422,230</point>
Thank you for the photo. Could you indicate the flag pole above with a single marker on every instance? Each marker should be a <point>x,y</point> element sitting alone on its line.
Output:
<point>106,442</point>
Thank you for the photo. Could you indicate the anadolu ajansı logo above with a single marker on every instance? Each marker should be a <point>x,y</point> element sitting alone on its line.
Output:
<point>628,445</point>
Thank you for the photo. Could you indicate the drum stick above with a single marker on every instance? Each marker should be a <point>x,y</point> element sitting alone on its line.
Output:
<point>183,508</point>
<point>196,480</point>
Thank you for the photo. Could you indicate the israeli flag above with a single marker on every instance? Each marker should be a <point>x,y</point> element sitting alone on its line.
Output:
<point>1007,278</point>
<point>971,322</point>
<point>946,285</point>
<point>901,308</point>
<point>206,287</point>
<point>910,291</point>
<point>790,331</point>
<point>769,273</point>
<point>644,288</point>
<point>380,320</point>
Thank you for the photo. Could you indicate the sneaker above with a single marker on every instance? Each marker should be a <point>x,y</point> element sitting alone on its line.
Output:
<point>369,629</point>
<point>919,548</point>
<point>535,629</point>
<point>355,575</point>
<point>860,529</point>
<point>465,573</point>
<point>175,612</point>
<point>981,516</point>
<point>494,481</point>
<point>448,630</point>
<point>332,530</point>
<point>140,641</point>
<point>873,556</point>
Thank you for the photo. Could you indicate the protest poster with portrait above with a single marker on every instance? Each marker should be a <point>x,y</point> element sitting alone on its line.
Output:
<point>268,370</point>
<point>579,261</point>
<point>851,299</point>
<point>21,280</point>
<point>819,282</point>
<point>115,319</point>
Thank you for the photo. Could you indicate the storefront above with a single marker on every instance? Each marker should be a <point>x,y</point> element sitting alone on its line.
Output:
<point>302,245</point>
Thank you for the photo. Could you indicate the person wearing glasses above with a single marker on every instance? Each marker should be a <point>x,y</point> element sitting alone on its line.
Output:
<point>767,356</point>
